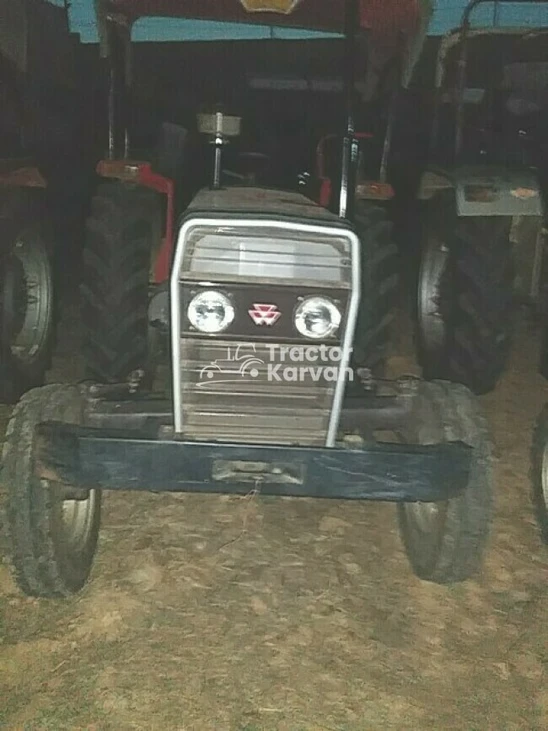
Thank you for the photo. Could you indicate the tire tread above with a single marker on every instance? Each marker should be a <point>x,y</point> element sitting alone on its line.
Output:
<point>32,545</point>
<point>380,281</point>
<point>459,554</point>
<point>114,291</point>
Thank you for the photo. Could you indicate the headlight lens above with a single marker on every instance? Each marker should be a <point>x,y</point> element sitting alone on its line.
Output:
<point>317,317</point>
<point>210,312</point>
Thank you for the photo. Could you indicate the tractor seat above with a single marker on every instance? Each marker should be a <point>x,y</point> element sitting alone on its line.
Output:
<point>246,167</point>
<point>253,164</point>
<point>170,150</point>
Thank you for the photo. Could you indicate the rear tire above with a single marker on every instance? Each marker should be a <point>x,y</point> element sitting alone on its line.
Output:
<point>27,306</point>
<point>465,297</point>
<point>380,281</point>
<point>445,542</point>
<point>51,540</point>
<point>539,472</point>
<point>119,244</point>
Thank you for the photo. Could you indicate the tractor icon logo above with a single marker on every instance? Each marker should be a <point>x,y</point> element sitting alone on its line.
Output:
<point>242,362</point>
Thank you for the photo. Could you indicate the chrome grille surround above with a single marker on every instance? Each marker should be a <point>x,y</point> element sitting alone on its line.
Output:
<point>261,412</point>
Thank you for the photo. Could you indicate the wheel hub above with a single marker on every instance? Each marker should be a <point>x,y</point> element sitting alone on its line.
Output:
<point>26,300</point>
<point>544,477</point>
<point>14,301</point>
<point>426,515</point>
<point>77,521</point>
<point>434,297</point>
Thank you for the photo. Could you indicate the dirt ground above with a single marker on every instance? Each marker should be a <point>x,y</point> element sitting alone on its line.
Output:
<point>256,614</point>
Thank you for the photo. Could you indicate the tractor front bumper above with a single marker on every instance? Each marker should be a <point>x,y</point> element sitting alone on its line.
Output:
<point>84,458</point>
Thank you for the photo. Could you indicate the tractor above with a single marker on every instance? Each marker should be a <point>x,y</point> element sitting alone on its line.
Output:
<point>481,199</point>
<point>265,306</point>
<point>38,82</point>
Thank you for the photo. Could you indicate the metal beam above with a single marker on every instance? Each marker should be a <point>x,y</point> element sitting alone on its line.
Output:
<point>86,458</point>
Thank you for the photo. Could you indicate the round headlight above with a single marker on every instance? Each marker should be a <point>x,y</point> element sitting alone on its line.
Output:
<point>317,317</point>
<point>210,312</point>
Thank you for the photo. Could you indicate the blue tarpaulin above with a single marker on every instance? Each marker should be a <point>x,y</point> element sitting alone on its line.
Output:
<point>447,16</point>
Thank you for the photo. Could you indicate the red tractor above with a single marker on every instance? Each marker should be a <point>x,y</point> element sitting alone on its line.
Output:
<point>269,307</point>
<point>141,195</point>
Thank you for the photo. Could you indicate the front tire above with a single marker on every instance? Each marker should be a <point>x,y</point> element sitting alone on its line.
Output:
<point>539,473</point>
<point>51,540</point>
<point>445,542</point>
<point>465,297</point>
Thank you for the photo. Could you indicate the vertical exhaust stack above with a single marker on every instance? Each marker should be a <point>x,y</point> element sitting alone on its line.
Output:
<point>350,144</point>
<point>118,94</point>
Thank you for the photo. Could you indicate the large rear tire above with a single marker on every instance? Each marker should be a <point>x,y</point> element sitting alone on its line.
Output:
<point>465,297</point>
<point>51,540</point>
<point>120,239</point>
<point>445,542</point>
<point>380,279</point>
<point>27,306</point>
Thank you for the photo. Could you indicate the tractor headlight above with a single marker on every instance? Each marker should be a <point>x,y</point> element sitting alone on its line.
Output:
<point>210,312</point>
<point>317,318</point>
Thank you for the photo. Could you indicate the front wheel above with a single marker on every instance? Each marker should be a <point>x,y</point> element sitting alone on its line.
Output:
<point>445,541</point>
<point>51,540</point>
<point>539,472</point>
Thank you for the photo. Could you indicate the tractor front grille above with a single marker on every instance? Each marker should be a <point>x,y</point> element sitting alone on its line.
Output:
<point>220,394</point>
<point>244,402</point>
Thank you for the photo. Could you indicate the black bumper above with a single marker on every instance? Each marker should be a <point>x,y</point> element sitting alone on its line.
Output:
<point>87,458</point>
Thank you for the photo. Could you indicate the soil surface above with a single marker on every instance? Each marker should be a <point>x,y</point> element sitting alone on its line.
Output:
<point>257,614</point>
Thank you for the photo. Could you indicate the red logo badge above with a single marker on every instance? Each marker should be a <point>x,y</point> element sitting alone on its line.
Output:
<point>264,314</point>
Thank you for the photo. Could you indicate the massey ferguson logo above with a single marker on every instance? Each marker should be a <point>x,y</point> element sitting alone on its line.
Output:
<point>264,314</point>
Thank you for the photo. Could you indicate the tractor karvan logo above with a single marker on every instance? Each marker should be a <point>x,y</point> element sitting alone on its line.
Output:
<point>276,363</point>
<point>262,314</point>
